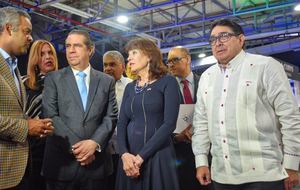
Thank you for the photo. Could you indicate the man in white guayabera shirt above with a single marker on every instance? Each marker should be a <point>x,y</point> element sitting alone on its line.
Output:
<point>246,111</point>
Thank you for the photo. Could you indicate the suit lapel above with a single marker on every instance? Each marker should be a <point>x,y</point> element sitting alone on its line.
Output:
<point>94,80</point>
<point>71,83</point>
<point>22,89</point>
<point>6,73</point>
<point>196,82</point>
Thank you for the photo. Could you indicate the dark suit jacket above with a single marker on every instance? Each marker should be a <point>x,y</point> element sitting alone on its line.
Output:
<point>62,103</point>
<point>13,129</point>
<point>196,81</point>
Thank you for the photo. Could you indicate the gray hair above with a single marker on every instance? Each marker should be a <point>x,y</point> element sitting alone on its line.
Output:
<point>115,55</point>
<point>11,15</point>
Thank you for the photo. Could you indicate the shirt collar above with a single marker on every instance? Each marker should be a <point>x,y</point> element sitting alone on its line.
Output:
<point>86,71</point>
<point>189,78</point>
<point>238,59</point>
<point>12,62</point>
<point>121,80</point>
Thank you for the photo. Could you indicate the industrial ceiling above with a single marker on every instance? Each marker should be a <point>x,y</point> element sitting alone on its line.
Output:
<point>271,26</point>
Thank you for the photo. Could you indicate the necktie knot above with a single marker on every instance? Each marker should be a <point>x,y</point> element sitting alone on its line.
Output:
<point>81,74</point>
<point>185,82</point>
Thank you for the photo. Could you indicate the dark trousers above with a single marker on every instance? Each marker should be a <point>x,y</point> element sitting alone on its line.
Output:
<point>112,177</point>
<point>185,161</point>
<point>80,182</point>
<point>273,185</point>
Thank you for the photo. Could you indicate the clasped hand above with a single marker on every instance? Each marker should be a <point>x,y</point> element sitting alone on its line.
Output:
<point>84,151</point>
<point>40,127</point>
<point>132,164</point>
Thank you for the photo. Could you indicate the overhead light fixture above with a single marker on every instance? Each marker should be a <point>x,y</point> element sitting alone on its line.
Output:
<point>297,7</point>
<point>122,19</point>
<point>201,55</point>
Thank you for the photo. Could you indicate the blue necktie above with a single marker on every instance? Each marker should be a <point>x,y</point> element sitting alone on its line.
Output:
<point>82,87</point>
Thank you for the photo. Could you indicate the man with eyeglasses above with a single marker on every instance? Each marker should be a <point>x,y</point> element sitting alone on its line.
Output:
<point>179,64</point>
<point>247,112</point>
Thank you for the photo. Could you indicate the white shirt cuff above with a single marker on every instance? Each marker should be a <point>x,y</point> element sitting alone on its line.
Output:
<point>291,162</point>
<point>201,160</point>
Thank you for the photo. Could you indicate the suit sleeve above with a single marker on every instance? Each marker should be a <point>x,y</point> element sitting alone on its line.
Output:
<point>171,108</point>
<point>50,107</point>
<point>13,129</point>
<point>109,121</point>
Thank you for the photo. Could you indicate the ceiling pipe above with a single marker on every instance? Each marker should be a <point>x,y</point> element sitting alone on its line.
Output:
<point>250,37</point>
<point>44,11</point>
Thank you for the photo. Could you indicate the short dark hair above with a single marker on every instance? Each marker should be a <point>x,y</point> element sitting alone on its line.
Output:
<point>88,42</point>
<point>235,27</point>
<point>157,69</point>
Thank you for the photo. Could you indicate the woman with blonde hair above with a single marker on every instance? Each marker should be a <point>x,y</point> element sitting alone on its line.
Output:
<point>42,60</point>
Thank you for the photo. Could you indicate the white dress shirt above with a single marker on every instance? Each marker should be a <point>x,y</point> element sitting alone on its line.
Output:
<point>120,87</point>
<point>250,117</point>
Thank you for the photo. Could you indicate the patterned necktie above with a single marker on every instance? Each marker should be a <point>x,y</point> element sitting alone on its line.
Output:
<point>82,87</point>
<point>186,92</point>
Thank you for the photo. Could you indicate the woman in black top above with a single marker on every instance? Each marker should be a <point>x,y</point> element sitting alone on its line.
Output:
<point>42,59</point>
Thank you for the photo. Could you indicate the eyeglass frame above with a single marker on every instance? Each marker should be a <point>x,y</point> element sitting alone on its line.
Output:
<point>174,60</point>
<point>213,40</point>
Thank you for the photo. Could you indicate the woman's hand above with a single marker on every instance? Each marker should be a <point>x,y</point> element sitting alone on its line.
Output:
<point>138,161</point>
<point>129,166</point>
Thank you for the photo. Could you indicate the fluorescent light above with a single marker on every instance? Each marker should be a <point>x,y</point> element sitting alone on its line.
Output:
<point>122,19</point>
<point>297,7</point>
<point>201,55</point>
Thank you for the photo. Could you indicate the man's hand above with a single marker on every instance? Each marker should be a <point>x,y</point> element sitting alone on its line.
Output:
<point>292,181</point>
<point>40,127</point>
<point>84,151</point>
<point>185,135</point>
<point>129,166</point>
<point>88,161</point>
<point>203,175</point>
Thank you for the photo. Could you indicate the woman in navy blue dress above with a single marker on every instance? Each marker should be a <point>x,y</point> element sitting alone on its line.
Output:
<point>147,119</point>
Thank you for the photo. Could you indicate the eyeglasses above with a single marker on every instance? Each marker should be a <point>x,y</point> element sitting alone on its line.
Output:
<point>222,37</point>
<point>174,60</point>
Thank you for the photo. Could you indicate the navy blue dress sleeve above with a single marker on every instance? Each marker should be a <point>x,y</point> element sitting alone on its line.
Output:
<point>171,107</point>
<point>123,122</point>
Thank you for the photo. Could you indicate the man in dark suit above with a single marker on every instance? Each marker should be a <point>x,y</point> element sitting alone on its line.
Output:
<point>179,63</point>
<point>15,127</point>
<point>81,102</point>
